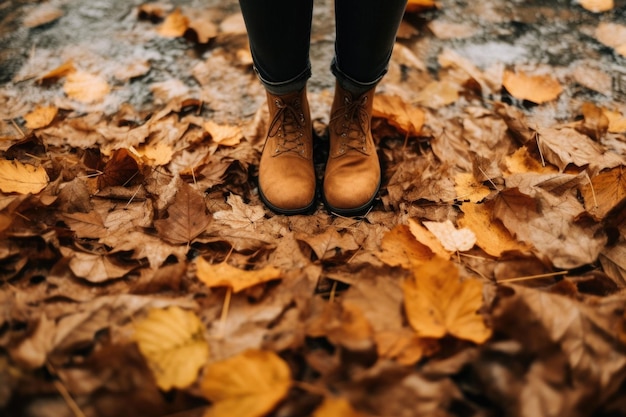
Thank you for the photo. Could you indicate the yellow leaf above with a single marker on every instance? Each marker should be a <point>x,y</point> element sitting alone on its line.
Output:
<point>172,341</point>
<point>250,384</point>
<point>451,238</point>
<point>536,88</point>
<point>335,407</point>
<point>175,25</point>
<point>16,177</point>
<point>400,248</point>
<point>403,116</point>
<point>223,134</point>
<point>468,189</point>
<point>40,117</point>
<point>437,303</point>
<point>617,122</point>
<point>425,237</point>
<point>225,275</point>
<point>159,153</point>
<point>597,6</point>
<point>491,235</point>
<point>61,71</point>
<point>86,87</point>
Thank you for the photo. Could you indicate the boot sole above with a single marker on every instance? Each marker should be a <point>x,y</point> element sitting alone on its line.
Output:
<point>356,211</point>
<point>288,212</point>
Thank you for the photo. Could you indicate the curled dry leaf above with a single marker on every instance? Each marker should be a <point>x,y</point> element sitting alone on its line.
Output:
<point>597,6</point>
<point>250,384</point>
<point>407,118</point>
<point>42,116</point>
<point>172,341</point>
<point>437,303</point>
<point>86,87</point>
<point>225,275</point>
<point>536,88</point>
<point>16,177</point>
<point>606,191</point>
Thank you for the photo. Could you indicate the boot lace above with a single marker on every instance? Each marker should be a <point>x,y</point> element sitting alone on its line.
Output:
<point>351,124</point>
<point>288,125</point>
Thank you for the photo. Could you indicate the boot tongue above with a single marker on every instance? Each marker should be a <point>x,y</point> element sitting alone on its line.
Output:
<point>353,128</point>
<point>287,125</point>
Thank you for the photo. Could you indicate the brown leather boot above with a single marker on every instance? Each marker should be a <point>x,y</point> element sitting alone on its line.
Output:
<point>352,177</point>
<point>286,171</point>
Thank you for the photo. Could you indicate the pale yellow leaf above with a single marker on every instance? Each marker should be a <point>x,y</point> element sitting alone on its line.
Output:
<point>42,116</point>
<point>225,275</point>
<point>16,177</point>
<point>617,122</point>
<point>86,87</point>
<point>250,384</point>
<point>226,135</point>
<point>536,88</point>
<point>172,341</point>
<point>425,237</point>
<point>597,6</point>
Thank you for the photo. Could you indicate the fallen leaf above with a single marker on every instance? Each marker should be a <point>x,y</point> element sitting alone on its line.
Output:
<point>468,189</point>
<point>132,70</point>
<point>95,267</point>
<point>427,238</point>
<point>403,116</point>
<point>400,248</point>
<point>175,25</point>
<point>241,216</point>
<point>335,407</point>
<point>187,217</point>
<point>606,191</point>
<point>86,87</point>
<point>403,346</point>
<point>617,122</point>
<point>597,6</point>
<point>59,72</point>
<point>443,29</point>
<point>172,341</point>
<point>438,94</point>
<point>452,239</point>
<point>42,116</point>
<point>250,384</point>
<point>16,177</point>
<point>43,14</point>
<point>536,88</point>
<point>328,241</point>
<point>159,153</point>
<point>344,325</point>
<point>437,303</point>
<point>223,134</point>
<point>612,35</point>
<point>225,275</point>
<point>120,170</point>
<point>491,235</point>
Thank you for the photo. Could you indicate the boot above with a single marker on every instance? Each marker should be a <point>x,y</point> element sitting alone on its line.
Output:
<point>286,171</point>
<point>352,177</point>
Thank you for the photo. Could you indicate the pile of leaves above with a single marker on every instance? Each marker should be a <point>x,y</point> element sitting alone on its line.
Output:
<point>141,275</point>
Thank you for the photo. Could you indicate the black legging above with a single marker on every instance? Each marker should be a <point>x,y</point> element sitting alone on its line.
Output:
<point>280,35</point>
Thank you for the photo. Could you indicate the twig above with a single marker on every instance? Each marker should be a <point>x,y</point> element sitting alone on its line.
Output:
<point>543,161</point>
<point>15,125</point>
<point>593,191</point>
<point>58,384</point>
<point>333,291</point>
<point>224,315</point>
<point>531,277</point>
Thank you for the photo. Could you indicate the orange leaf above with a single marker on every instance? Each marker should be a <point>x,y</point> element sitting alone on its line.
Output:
<point>16,177</point>
<point>419,5</point>
<point>437,303</point>
<point>399,247</point>
<point>187,216</point>
<point>225,275</point>
<point>40,117</point>
<point>597,6</point>
<point>536,88</point>
<point>335,407</point>
<point>250,384</point>
<point>175,25</point>
<point>612,35</point>
<point>59,72</point>
<point>86,87</point>
<point>403,116</point>
<point>606,190</point>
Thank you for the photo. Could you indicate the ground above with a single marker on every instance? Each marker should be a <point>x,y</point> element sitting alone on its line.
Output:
<point>141,275</point>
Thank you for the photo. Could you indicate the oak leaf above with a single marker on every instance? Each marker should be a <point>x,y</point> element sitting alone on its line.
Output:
<point>452,239</point>
<point>437,303</point>
<point>86,87</point>
<point>536,88</point>
<point>172,341</point>
<point>250,384</point>
<point>42,116</point>
<point>407,118</point>
<point>187,216</point>
<point>606,190</point>
<point>225,275</point>
<point>16,177</point>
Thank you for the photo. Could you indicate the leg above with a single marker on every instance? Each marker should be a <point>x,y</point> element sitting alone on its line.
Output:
<point>279,32</point>
<point>366,33</point>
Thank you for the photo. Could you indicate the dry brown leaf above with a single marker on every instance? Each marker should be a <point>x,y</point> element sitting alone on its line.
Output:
<point>241,216</point>
<point>597,6</point>
<point>617,122</point>
<point>443,29</point>
<point>225,275</point>
<point>606,191</point>
<point>403,346</point>
<point>335,407</point>
<point>342,324</point>
<point>536,88</point>
<point>187,216</point>
<point>451,238</point>
<point>120,170</point>
<point>94,267</point>
<point>132,70</point>
<point>86,87</point>
<point>227,135</point>
<point>437,303</point>
<point>521,161</point>
<point>42,116</point>
<point>612,35</point>
<point>16,177</point>
<point>407,118</point>
<point>250,384</point>
<point>175,25</point>
<point>172,341</point>
<point>328,241</point>
<point>158,153</point>
<point>400,248</point>
<point>438,94</point>
<point>41,15</point>
<point>202,26</point>
<point>468,189</point>
<point>491,235</point>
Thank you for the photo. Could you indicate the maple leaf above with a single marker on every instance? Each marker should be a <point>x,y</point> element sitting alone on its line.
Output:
<point>250,384</point>
<point>16,177</point>
<point>225,275</point>
<point>437,303</point>
<point>452,239</point>
<point>187,216</point>
<point>536,88</point>
<point>172,341</point>
<point>241,215</point>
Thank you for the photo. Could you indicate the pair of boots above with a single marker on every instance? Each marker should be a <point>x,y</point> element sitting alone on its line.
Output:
<point>287,183</point>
